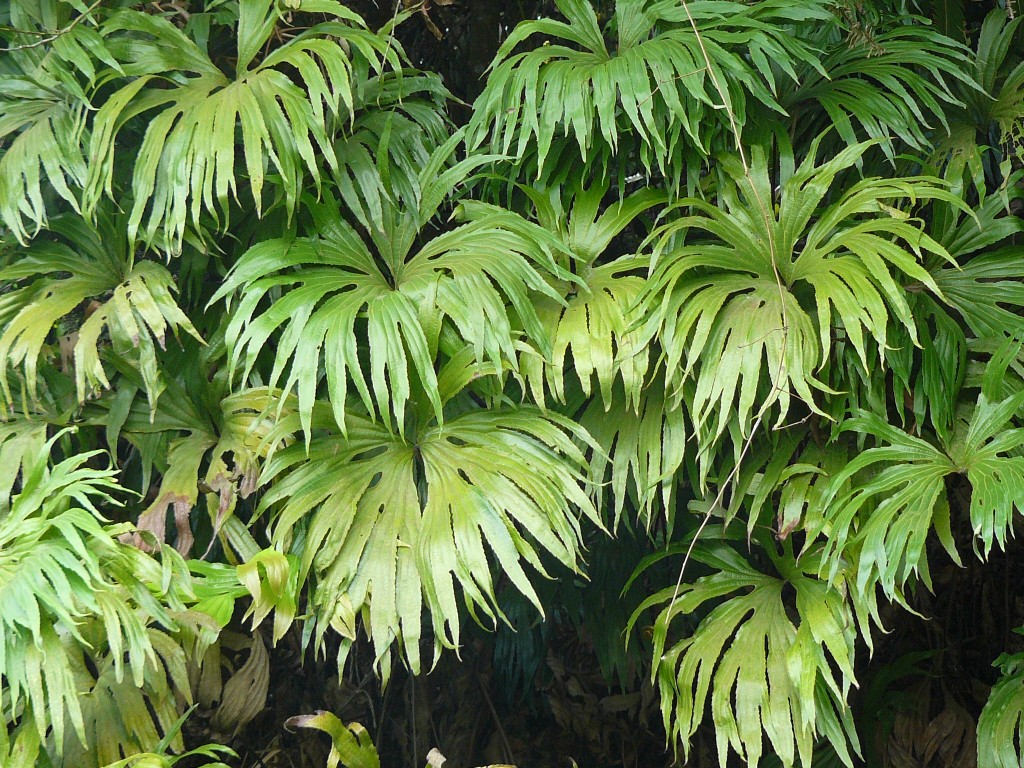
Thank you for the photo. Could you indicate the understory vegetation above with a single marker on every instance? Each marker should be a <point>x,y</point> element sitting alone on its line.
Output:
<point>635,382</point>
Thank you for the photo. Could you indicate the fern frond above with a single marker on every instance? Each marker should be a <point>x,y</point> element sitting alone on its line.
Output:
<point>45,98</point>
<point>744,291</point>
<point>652,83</point>
<point>133,303</point>
<point>901,84</point>
<point>187,161</point>
<point>883,521</point>
<point>1001,723</point>
<point>769,671</point>
<point>58,571</point>
<point>389,526</point>
<point>479,276</point>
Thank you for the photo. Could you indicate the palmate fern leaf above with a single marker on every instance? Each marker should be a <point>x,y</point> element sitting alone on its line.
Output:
<point>20,749</point>
<point>478,277</point>
<point>186,164</point>
<point>1001,723</point>
<point>388,526</point>
<point>133,303</point>
<point>899,84</point>
<point>59,569</point>
<point>45,96</point>
<point>994,97</point>
<point>593,323</point>
<point>983,286</point>
<point>882,521</point>
<point>758,290</point>
<point>399,123</point>
<point>987,291</point>
<point>654,81</point>
<point>642,448</point>
<point>766,674</point>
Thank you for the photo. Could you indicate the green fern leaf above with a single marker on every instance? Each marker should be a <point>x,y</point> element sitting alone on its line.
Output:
<point>45,97</point>
<point>767,675</point>
<point>133,303</point>
<point>900,84</point>
<point>654,82</point>
<point>1001,723</point>
<point>186,163</point>
<point>479,276</point>
<point>60,569</point>
<point>884,520</point>
<point>390,525</point>
<point>758,291</point>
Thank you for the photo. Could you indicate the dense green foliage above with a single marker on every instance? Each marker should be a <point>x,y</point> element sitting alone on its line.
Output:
<point>740,284</point>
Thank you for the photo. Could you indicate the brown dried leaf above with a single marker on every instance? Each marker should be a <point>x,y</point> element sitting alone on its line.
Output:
<point>950,740</point>
<point>905,747</point>
<point>154,520</point>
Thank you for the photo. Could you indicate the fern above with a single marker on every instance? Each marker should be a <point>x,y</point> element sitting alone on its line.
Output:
<point>391,525</point>
<point>730,292</point>
<point>592,323</point>
<point>131,300</point>
<point>901,84</point>
<point>764,672</point>
<point>61,570</point>
<point>883,521</point>
<point>44,102</point>
<point>653,84</point>
<point>189,145</point>
<point>1001,723</point>
<point>405,286</point>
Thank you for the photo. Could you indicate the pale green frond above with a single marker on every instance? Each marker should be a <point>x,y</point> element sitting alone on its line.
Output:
<point>899,84</point>
<point>132,305</point>
<point>992,99</point>
<point>46,143</point>
<point>984,286</point>
<point>885,517</point>
<point>318,296</point>
<point>779,482</point>
<point>21,751</point>
<point>885,520</point>
<point>643,446</point>
<point>750,291</point>
<point>387,527</point>
<point>186,164</point>
<point>21,441</point>
<point>59,569</point>
<point>399,122</point>
<point>124,715</point>
<point>592,330</point>
<point>765,666</point>
<point>168,752</point>
<point>754,333</point>
<point>1001,722</point>
<point>272,580</point>
<point>595,330</point>
<point>45,97</point>
<point>987,291</point>
<point>653,81</point>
